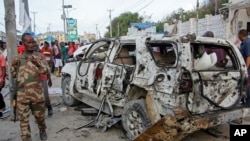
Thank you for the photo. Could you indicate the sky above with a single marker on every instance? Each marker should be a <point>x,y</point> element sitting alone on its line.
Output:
<point>93,13</point>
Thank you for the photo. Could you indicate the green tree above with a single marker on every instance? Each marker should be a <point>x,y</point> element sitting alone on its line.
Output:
<point>121,23</point>
<point>159,26</point>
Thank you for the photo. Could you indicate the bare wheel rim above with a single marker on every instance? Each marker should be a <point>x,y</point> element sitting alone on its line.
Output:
<point>66,92</point>
<point>134,123</point>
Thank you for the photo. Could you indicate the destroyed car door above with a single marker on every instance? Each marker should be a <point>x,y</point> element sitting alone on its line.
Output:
<point>90,68</point>
<point>157,66</point>
<point>118,70</point>
<point>217,78</point>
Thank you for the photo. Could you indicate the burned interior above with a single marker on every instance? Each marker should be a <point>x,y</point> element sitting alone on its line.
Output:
<point>126,55</point>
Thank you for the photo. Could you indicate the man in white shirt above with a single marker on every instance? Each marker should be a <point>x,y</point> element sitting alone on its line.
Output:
<point>58,59</point>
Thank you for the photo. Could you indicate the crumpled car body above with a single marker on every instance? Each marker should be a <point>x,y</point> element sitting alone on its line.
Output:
<point>168,83</point>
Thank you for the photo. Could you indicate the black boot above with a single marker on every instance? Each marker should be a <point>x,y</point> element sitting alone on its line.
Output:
<point>1,114</point>
<point>43,135</point>
<point>50,110</point>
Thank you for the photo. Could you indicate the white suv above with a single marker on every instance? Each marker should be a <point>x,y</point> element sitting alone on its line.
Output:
<point>180,83</point>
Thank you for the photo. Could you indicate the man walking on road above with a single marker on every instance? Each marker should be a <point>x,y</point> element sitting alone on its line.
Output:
<point>245,51</point>
<point>46,82</point>
<point>28,67</point>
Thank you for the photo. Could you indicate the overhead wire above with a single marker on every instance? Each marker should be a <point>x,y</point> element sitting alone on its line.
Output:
<point>135,5</point>
<point>145,6</point>
<point>106,23</point>
<point>130,7</point>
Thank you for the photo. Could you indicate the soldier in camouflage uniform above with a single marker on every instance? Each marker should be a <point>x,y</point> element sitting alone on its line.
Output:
<point>29,66</point>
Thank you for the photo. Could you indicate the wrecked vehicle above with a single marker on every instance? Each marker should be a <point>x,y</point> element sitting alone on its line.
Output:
<point>160,87</point>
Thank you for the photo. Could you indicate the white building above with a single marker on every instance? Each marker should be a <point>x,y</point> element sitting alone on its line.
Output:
<point>239,18</point>
<point>234,16</point>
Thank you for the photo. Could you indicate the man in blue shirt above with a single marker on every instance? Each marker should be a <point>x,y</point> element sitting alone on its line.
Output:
<point>245,51</point>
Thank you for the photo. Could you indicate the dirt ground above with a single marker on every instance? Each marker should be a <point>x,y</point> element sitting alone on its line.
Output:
<point>60,127</point>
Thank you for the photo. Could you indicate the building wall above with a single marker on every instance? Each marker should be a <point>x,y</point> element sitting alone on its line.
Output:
<point>87,37</point>
<point>57,35</point>
<point>226,28</point>
<point>215,24</point>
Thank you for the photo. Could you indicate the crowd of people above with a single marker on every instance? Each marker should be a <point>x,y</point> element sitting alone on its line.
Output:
<point>55,53</point>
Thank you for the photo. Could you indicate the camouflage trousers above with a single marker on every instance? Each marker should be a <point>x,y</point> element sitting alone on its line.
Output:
<point>24,110</point>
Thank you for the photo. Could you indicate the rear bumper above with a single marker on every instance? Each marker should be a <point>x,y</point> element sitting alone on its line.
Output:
<point>175,128</point>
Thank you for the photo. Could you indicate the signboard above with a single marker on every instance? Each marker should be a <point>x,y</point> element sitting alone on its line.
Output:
<point>72,34</point>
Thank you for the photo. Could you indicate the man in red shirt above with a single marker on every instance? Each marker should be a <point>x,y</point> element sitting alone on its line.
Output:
<point>48,53</point>
<point>72,48</point>
<point>2,81</point>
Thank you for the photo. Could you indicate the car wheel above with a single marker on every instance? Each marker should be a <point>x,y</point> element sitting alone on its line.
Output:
<point>135,119</point>
<point>68,99</point>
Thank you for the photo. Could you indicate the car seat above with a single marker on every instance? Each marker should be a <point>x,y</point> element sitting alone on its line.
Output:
<point>205,61</point>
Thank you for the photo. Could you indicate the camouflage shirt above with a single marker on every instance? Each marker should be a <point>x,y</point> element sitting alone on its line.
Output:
<point>29,77</point>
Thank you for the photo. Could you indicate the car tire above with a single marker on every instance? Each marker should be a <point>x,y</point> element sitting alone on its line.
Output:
<point>68,99</point>
<point>135,119</point>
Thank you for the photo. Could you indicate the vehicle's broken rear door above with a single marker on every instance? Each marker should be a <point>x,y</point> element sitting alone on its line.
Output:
<point>217,78</point>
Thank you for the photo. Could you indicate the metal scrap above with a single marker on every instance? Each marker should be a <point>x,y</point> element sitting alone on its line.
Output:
<point>60,130</point>
<point>173,128</point>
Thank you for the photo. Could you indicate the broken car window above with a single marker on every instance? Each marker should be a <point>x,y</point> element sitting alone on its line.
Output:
<point>126,55</point>
<point>99,54</point>
<point>164,54</point>
<point>213,57</point>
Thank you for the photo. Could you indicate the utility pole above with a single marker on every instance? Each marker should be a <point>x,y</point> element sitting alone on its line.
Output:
<point>48,28</point>
<point>110,24</point>
<point>63,17</point>
<point>197,17</point>
<point>99,34</point>
<point>96,31</point>
<point>49,33</point>
<point>118,29</point>
<point>216,6</point>
<point>34,20</point>
<point>10,28</point>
